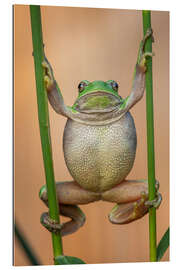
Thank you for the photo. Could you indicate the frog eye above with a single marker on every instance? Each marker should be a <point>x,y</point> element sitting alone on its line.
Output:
<point>82,86</point>
<point>114,85</point>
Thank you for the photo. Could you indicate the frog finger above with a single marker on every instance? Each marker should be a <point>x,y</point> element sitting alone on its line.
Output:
<point>149,33</point>
<point>48,70</point>
<point>141,52</point>
<point>157,185</point>
<point>142,62</point>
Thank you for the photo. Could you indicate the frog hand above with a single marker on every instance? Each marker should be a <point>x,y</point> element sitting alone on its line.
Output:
<point>141,62</point>
<point>48,75</point>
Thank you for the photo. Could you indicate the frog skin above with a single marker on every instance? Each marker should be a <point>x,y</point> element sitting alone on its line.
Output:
<point>99,146</point>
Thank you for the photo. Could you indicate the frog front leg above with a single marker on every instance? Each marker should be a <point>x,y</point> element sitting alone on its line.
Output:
<point>53,91</point>
<point>138,85</point>
<point>69,195</point>
<point>131,197</point>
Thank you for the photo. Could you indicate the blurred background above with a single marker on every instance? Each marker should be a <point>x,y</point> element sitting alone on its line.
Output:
<point>91,44</point>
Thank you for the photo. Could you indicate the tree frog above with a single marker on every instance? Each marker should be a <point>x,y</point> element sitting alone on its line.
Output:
<point>99,146</point>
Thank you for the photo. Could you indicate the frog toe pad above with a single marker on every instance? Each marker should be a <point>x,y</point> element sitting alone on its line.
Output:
<point>156,202</point>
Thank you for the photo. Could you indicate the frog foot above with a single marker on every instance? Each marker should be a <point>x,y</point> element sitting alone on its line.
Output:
<point>128,212</point>
<point>48,76</point>
<point>77,220</point>
<point>50,224</point>
<point>158,199</point>
<point>156,202</point>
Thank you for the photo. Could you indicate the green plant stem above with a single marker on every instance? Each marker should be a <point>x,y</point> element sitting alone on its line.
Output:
<point>38,52</point>
<point>150,139</point>
<point>26,246</point>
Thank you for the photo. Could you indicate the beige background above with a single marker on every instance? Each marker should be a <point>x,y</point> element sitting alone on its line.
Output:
<point>91,44</point>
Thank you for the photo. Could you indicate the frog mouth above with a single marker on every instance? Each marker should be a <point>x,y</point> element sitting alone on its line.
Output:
<point>98,102</point>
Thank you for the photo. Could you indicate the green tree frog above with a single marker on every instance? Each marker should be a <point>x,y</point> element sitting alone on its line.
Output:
<point>99,146</point>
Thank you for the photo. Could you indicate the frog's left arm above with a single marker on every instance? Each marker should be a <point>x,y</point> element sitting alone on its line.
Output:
<point>54,94</point>
<point>53,91</point>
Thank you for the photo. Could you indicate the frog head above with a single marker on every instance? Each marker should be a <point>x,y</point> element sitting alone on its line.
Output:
<point>97,97</point>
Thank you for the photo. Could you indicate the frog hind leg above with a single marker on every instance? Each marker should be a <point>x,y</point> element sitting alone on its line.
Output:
<point>77,220</point>
<point>69,194</point>
<point>131,197</point>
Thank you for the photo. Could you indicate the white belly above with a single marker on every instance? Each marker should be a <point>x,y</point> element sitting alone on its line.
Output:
<point>100,157</point>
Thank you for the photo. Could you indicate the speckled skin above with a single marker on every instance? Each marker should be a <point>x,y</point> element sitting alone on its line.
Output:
<point>99,148</point>
<point>100,157</point>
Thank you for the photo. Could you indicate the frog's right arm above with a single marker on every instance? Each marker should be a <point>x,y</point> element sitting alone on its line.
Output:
<point>137,91</point>
<point>138,86</point>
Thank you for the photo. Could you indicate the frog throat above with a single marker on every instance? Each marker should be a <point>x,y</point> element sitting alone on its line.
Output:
<point>97,101</point>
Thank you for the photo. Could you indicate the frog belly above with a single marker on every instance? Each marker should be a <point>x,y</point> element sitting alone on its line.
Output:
<point>100,157</point>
